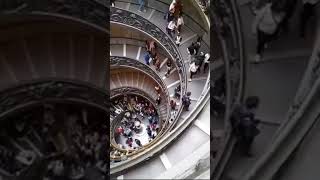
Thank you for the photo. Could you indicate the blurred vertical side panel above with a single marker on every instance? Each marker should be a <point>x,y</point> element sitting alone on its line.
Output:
<point>54,89</point>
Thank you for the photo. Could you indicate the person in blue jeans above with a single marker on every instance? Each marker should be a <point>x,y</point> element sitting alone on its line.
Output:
<point>147,58</point>
<point>141,6</point>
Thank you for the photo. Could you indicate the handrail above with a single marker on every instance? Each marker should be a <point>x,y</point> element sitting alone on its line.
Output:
<point>123,17</point>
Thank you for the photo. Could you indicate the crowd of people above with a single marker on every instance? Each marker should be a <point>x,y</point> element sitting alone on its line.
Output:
<point>65,153</point>
<point>139,113</point>
<point>151,57</point>
<point>272,19</point>
<point>196,59</point>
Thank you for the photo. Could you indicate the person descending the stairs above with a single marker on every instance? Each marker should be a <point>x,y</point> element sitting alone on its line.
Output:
<point>191,51</point>
<point>245,124</point>
<point>169,68</point>
<point>193,70</point>
<point>112,2</point>
<point>158,100</point>
<point>142,6</point>
<point>171,28</point>
<point>177,91</point>
<point>265,26</point>
<point>180,23</point>
<point>206,62</point>
<point>199,61</point>
<point>178,39</point>
<point>186,101</point>
<point>309,9</point>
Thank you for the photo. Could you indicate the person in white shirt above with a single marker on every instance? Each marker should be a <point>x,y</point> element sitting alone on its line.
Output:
<point>180,22</point>
<point>307,12</point>
<point>265,26</point>
<point>112,2</point>
<point>178,39</point>
<point>193,70</point>
<point>171,28</point>
<point>172,6</point>
<point>206,62</point>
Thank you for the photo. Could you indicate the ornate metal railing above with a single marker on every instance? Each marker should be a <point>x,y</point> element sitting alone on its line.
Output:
<point>39,91</point>
<point>94,12</point>
<point>134,42</point>
<point>162,6</point>
<point>117,61</point>
<point>135,21</point>
<point>129,90</point>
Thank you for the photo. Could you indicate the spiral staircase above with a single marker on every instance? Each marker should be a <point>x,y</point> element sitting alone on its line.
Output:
<point>53,70</point>
<point>183,133</point>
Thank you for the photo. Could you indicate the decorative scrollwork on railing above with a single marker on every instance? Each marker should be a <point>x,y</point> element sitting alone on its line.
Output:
<point>92,11</point>
<point>42,90</point>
